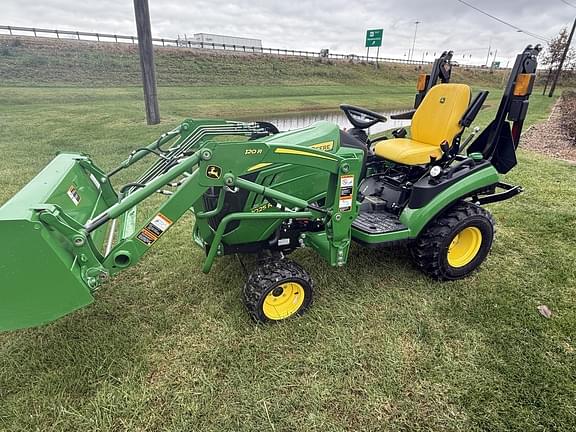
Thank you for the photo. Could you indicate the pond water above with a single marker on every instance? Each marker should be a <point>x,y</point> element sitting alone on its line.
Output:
<point>303,119</point>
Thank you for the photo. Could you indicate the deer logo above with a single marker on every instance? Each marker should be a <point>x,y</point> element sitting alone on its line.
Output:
<point>213,171</point>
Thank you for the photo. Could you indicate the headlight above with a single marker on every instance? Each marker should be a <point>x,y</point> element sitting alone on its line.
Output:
<point>435,171</point>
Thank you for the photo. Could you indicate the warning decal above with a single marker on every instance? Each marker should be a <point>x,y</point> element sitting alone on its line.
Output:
<point>346,192</point>
<point>73,195</point>
<point>157,226</point>
<point>345,204</point>
<point>147,237</point>
<point>346,185</point>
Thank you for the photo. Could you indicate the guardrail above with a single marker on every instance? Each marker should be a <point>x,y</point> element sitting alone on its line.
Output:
<point>184,43</point>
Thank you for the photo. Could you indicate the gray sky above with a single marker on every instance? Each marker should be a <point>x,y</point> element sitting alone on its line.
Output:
<point>339,25</point>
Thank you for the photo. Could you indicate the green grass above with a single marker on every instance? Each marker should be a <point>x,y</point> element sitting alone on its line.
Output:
<point>165,347</point>
<point>41,62</point>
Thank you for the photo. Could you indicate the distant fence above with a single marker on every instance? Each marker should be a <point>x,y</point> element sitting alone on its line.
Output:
<point>184,43</point>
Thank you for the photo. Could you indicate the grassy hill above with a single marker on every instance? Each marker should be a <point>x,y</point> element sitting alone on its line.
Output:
<point>42,61</point>
<point>193,82</point>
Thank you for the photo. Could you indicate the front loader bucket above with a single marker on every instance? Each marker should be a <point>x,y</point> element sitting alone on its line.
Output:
<point>40,275</point>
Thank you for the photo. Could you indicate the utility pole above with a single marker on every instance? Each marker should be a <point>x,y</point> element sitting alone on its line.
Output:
<point>559,70</point>
<point>548,77</point>
<point>488,54</point>
<point>414,41</point>
<point>146,49</point>
<point>493,59</point>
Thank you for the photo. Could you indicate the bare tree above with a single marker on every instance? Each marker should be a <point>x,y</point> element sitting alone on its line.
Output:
<point>551,57</point>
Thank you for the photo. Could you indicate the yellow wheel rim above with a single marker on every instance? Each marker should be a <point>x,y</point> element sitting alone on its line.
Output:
<point>464,247</point>
<point>283,301</point>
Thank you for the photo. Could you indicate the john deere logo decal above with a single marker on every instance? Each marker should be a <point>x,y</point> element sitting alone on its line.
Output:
<point>325,146</point>
<point>213,171</point>
<point>442,99</point>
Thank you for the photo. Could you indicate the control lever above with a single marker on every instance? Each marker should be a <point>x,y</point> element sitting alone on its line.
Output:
<point>470,138</point>
<point>445,147</point>
<point>403,116</point>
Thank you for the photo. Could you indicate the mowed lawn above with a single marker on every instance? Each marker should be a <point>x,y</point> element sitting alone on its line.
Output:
<point>165,347</point>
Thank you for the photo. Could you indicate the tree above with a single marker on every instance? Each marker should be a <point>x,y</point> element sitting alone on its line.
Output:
<point>551,57</point>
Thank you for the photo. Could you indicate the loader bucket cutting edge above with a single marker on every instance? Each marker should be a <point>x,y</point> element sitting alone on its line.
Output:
<point>41,276</point>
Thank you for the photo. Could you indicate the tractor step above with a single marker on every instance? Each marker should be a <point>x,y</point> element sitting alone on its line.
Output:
<point>378,223</point>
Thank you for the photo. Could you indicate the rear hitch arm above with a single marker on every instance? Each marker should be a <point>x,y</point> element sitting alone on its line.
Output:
<point>509,192</point>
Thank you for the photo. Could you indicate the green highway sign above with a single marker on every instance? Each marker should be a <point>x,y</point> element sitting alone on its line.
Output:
<point>374,38</point>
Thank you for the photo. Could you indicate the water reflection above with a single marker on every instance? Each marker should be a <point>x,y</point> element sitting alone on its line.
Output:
<point>303,119</point>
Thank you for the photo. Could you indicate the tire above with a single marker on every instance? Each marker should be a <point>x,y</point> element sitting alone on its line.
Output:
<point>277,290</point>
<point>455,243</point>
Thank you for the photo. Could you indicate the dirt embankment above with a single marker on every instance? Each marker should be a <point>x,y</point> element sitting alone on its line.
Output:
<point>555,137</point>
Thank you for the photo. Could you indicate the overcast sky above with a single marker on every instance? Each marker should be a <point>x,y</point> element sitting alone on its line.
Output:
<point>339,25</point>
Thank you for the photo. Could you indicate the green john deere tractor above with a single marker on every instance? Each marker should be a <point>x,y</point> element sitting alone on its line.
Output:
<point>255,190</point>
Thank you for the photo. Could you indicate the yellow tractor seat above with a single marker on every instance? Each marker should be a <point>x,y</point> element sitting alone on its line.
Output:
<point>436,120</point>
<point>407,151</point>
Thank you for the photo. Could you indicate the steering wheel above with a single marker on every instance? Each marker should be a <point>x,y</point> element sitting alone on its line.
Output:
<point>361,118</point>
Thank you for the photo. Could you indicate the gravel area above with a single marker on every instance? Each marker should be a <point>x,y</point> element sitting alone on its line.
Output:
<point>552,137</point>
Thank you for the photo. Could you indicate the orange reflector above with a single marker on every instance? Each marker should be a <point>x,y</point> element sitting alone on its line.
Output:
<point>523,84</point>
<point>421,83</point>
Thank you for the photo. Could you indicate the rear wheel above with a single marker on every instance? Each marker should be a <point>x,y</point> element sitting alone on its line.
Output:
<point>277,290</point>
<point>456,243</point>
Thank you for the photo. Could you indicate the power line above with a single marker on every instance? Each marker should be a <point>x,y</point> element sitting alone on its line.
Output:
<point>569,4</point>
<point>534,35</point>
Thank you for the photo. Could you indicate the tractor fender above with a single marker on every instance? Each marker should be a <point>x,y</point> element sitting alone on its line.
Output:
<point>415,219</point>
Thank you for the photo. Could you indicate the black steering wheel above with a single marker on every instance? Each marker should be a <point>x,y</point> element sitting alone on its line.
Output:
<point>362,118</point>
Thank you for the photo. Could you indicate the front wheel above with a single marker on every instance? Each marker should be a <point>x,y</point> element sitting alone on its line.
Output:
<point>277,290</point>
<point>456,243</point>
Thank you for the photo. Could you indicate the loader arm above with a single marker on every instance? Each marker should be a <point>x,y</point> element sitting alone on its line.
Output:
<point>74,240</point>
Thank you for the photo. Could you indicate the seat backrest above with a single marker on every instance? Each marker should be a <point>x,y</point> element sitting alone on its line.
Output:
<point>437,119</point>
